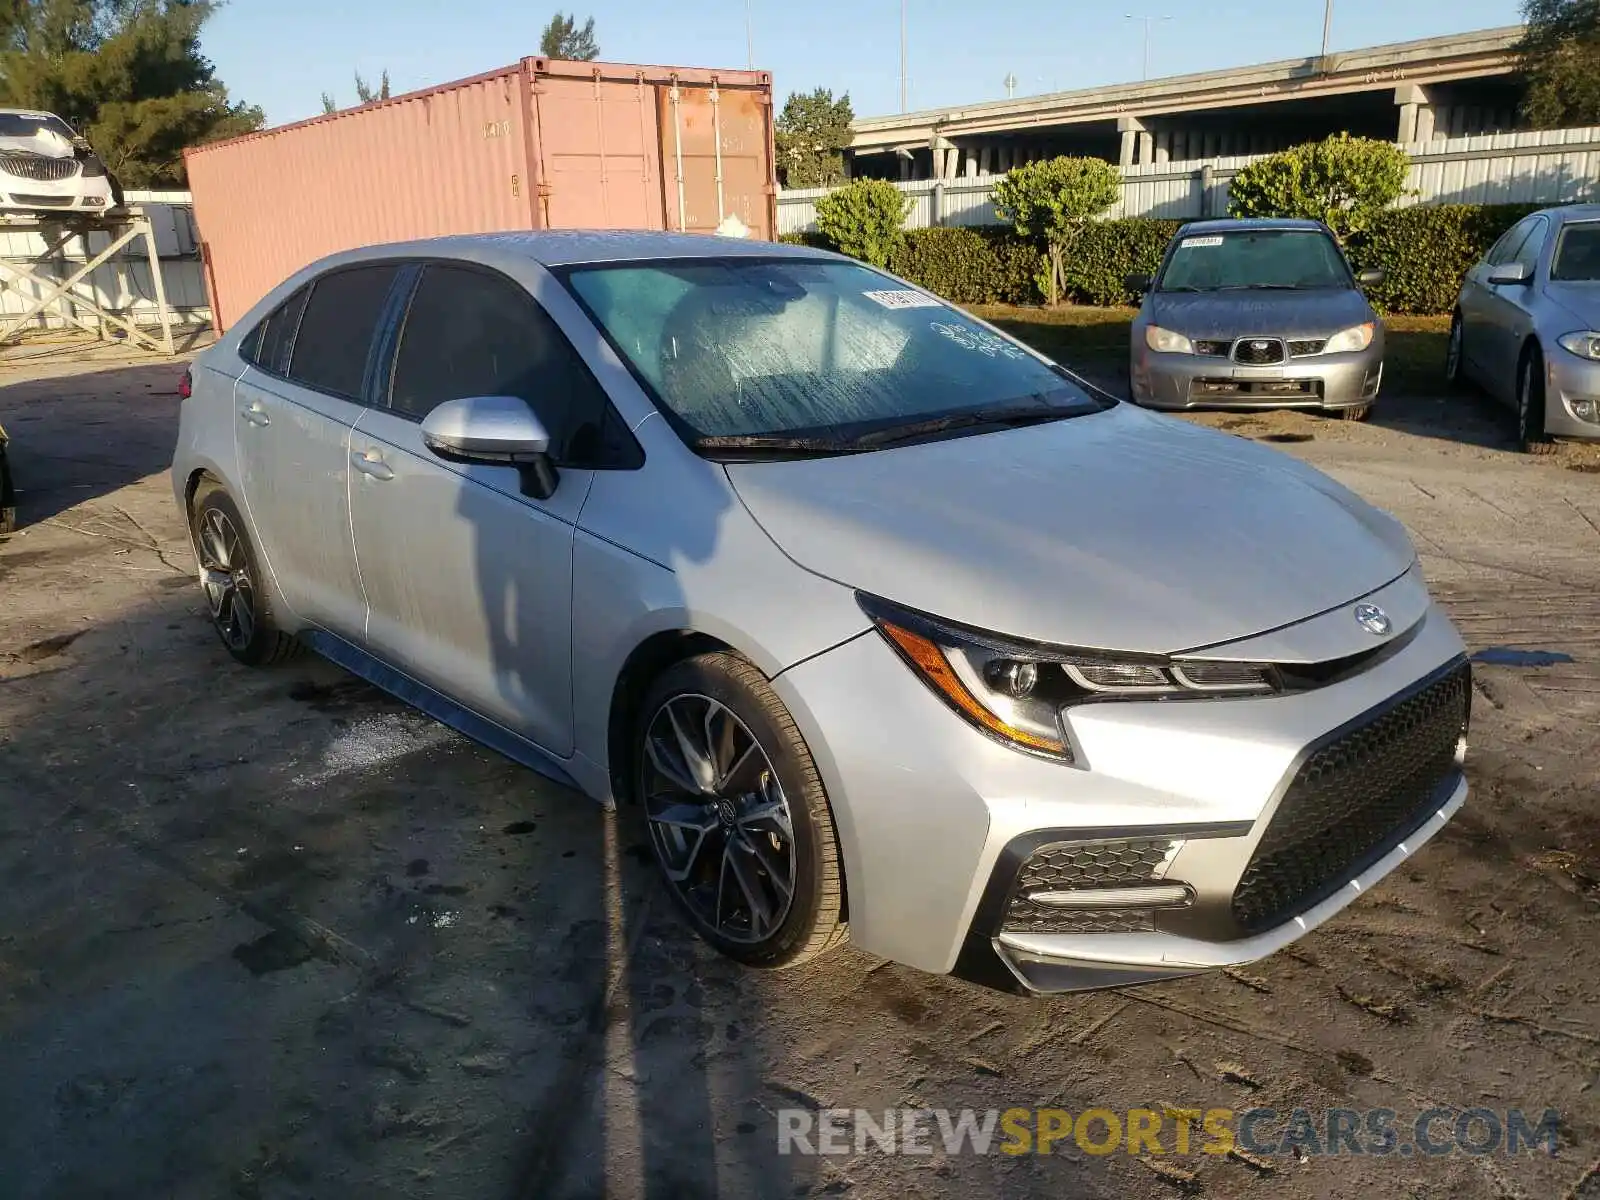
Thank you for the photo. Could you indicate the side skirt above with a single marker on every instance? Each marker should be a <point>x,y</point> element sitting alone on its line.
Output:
<point>438,706</point>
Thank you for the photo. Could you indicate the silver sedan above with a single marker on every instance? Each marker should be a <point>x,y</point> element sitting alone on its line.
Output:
<point>879,622</point>
<point>1526,327</point>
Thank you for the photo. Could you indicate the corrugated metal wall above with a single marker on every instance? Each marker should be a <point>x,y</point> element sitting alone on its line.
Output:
<point>1552,166</point>
<point>123,285</point>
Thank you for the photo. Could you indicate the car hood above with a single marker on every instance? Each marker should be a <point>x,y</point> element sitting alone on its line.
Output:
<point>46,143</point>
<point>1312,314</point>
<point>1582,300</point>
<point>1120,530</point>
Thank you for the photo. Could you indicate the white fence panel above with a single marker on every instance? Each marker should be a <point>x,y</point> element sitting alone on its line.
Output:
<point>1550,166</point>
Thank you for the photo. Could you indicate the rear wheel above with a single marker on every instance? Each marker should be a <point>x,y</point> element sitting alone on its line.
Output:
<point>230,577</point>
<point>1530,404</point>
<point>738,819</point>
<point>1454,349</point>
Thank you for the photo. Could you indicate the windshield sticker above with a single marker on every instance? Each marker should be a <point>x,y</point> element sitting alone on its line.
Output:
<point>1201,241</point>
<point>977,340</point>
<point>903,298</point>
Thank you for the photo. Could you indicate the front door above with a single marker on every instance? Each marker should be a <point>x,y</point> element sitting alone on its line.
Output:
<point>468,581</point>
<point>294,409</point>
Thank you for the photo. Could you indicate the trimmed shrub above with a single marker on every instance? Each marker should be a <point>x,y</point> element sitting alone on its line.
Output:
<point>971,265</point>
<point>1425,252</point>
<point>1346,183</point>
<point>806,237</point>
<point>864,219</point>
<point>1107,252</point>
<point>1053,202</point>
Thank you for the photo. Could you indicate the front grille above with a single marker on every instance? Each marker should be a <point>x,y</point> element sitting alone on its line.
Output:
<point>42,201</point>
<point>39,167</point>
<point>1352,800</point>
<point>1254,352</point>
<point>1212,349</point>
<point>1063,866</point>
<point>1309,346</point>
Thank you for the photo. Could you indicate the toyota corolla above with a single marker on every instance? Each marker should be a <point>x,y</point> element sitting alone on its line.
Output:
<point>889,627</point>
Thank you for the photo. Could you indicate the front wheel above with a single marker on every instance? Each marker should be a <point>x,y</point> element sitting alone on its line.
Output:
<point>1453,350</point>
<point>1530,404</point>
<point>738,818</point>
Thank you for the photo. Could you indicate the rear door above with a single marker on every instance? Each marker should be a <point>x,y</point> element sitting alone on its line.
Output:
<point>294,409</point>
<point>468,581</point>
<point>599,148</point>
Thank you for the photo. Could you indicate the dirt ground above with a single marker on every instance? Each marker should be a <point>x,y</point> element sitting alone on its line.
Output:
<point>268,934</point>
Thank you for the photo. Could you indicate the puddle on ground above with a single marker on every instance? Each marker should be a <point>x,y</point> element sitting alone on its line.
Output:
<point>276,951</point>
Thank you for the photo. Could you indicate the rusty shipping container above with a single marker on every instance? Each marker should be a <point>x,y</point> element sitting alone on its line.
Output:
<point>543,144</point>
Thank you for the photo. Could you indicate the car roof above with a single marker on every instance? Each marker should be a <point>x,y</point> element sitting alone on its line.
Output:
<point>26,112</point>
<point>1574,212</point>
<point>1229,224</point>
<point>571,247</point>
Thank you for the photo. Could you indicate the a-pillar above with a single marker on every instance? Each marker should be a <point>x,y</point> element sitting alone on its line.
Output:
<point>1135,138</point>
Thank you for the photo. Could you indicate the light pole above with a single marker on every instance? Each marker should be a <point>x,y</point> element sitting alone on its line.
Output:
<point>902,55</point>
<point>1148,21</point>
<point>1327,24</point>
<point>1011,84</point>
<point>749,37</point>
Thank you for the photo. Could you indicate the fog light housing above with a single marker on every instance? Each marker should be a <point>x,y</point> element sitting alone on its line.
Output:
<point>1110,886</point>
<point>1585,410</point>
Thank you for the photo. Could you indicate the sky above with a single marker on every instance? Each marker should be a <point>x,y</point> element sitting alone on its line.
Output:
<point>283,54</point>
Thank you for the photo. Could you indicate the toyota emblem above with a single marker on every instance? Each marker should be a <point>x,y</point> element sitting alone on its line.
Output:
<point>1373,619</point>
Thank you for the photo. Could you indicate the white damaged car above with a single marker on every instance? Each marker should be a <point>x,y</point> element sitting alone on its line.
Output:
<point>46,167</point>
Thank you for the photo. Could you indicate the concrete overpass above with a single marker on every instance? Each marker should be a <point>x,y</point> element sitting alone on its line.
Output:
<point>1407,91</point>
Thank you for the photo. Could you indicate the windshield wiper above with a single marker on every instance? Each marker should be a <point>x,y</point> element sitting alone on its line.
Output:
<point>995,416</point>
<point>773,444</point>
<point>1262,287</point>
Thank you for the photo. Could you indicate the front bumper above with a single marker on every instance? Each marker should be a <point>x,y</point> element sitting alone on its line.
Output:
<point>1192,381</point>
<point>81,194</point>
<point>1572,384</point>
<point>930,812</point>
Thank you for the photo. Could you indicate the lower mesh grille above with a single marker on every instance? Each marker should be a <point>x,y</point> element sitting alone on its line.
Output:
<point>1067,866</point>
<point>1353,800</point>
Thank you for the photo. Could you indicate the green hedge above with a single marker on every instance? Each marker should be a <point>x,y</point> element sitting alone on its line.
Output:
<point>1423,251</point>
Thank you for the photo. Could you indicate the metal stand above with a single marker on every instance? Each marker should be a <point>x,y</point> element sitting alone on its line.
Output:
<point>58,294</point>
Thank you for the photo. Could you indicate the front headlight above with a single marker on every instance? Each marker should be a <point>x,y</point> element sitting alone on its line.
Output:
<point>1165,341</point>
<point>1349,340</point>
<point>1015,691</point>
<point>1585,344</point>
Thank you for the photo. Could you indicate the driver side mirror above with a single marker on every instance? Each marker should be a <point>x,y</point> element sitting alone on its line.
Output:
<point>1139,285</point>
<point>80,143</point>
<point>498,431</point>
<point>1510,274</point>
<point>1371,276</point>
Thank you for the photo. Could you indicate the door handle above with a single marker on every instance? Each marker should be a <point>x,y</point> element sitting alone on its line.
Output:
<point>255,414</point>
<point>370,463</point>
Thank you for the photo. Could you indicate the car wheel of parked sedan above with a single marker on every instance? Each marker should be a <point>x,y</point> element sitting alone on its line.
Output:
<point>1359,412</point>
<point>230,577</point>
<point>738,818</point>
<point>1530,404</point>
<point>1453,374</point>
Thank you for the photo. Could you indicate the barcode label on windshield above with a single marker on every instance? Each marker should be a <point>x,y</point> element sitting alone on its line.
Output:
<point>902,298</point>
<point>1201,241</point>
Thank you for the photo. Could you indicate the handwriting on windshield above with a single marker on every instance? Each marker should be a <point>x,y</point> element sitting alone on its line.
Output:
<point>977,340</point>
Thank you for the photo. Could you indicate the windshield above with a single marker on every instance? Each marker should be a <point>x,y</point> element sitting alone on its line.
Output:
<point>1255,258</point>
<point>1578,253</point>
<point>18,125</point>
<point>762,348</point>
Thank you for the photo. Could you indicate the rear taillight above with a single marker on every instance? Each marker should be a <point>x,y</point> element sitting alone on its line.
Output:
<point>186,385</point>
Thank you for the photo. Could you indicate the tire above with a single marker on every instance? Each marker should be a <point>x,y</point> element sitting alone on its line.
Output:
<point>231,580</point>
<point>1454,375</point>
<point>1359,412</point>
<point>726,826</point>
<point>1530,403</point>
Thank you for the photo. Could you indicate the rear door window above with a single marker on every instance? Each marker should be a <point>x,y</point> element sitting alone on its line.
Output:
<point>331,348</point>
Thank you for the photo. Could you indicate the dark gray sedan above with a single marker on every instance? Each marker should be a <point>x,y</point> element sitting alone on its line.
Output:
<point>1527,325</point>
<point>1256,313</point>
